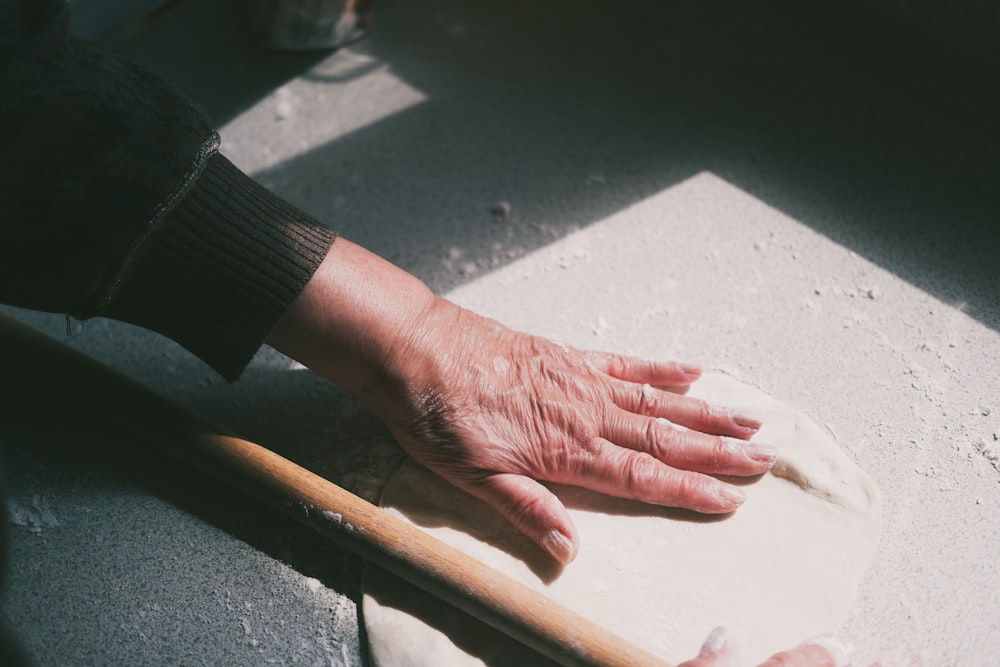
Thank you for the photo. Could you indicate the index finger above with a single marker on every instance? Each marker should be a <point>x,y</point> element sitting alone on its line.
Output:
<point>676,375</point>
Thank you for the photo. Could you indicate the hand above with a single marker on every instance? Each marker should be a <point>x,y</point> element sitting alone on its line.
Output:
<point>493,410</point>
<point>720,651</point>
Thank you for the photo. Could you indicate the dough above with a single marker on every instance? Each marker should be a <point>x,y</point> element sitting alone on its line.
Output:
<point>781,569</point>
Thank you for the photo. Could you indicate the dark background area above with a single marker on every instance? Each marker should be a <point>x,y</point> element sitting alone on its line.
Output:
<point>810,108</point>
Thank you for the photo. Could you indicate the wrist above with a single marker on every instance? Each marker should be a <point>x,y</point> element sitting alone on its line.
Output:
<point>355,321</point>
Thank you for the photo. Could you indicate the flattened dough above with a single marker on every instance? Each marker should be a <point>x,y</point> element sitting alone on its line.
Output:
<point>781,569</point>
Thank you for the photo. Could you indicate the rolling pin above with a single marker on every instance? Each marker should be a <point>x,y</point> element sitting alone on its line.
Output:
<point>41,370</point>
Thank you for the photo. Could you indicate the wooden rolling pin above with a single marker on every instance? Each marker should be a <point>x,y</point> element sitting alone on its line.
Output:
<point>37,367</point>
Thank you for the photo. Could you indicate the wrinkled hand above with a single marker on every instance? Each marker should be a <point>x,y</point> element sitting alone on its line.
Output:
<point>492,410</point>
<point>720,651</point>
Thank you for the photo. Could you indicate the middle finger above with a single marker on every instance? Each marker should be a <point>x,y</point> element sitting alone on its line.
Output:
<point>687,449</point>
<point>694,413</point>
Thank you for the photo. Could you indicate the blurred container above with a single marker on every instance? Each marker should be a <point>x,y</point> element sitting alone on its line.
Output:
<point>304,25</point>
<point>114,23</point>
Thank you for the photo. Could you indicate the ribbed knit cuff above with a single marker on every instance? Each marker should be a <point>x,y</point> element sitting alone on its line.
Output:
<point>220,268</point>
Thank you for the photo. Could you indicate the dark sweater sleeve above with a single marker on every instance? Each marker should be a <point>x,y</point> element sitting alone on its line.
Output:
<point>115,202</point>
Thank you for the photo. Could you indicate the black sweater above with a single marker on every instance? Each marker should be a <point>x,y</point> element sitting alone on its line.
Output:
<point>115,202</point>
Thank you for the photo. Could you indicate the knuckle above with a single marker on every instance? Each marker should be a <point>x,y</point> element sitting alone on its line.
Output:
<point>561,459</point>
<point>641,471</point>
<point>691,490</point>
<point>526,512</point>
<point>651,437</point>
<point>644,398</point>
<point>593,446</point>
<point>607,413</point>
<point>665,440</point>
<point>703,412</point>
<point>683,489</point>
<point>619,366</point>
<point>660,439</point>
<point>720,452</point>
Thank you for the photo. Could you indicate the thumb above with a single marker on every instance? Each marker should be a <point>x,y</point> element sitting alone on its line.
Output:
<point>533,510</point>
<point>719,650</point>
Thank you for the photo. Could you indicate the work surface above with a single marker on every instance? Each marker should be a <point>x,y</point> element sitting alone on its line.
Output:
<point>806,199</point>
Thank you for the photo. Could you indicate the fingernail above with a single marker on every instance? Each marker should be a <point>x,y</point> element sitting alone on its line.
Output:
<point>747,421</point>
<point>732,494</point>
<point>559,546</point>
<point>691,369</point>
<point>715,642</point>
<point>838,651</point>
<point>762,451</point>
